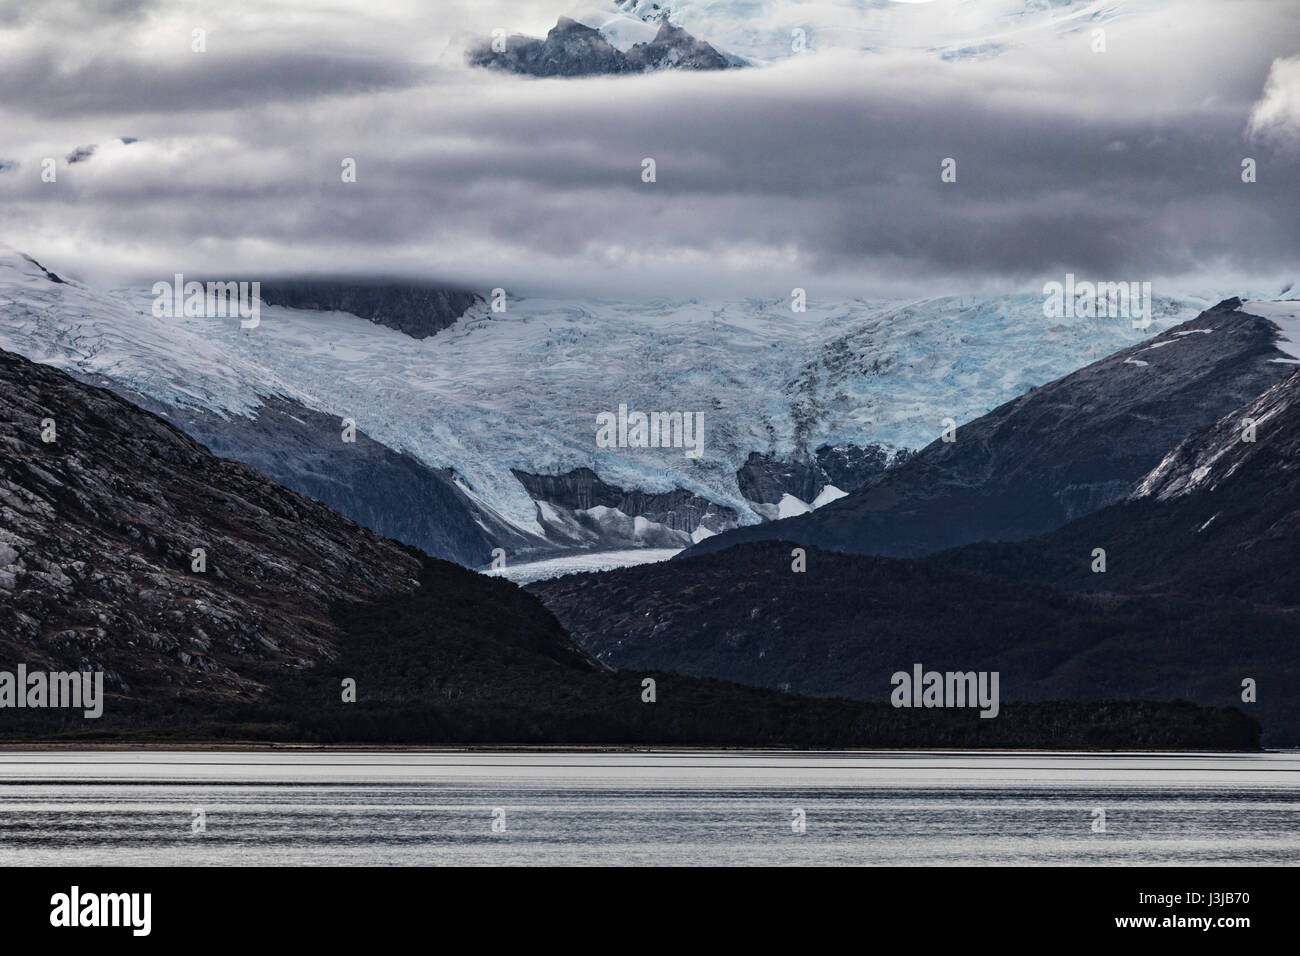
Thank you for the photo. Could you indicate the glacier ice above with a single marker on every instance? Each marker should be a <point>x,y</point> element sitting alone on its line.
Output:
<point>523,389</point>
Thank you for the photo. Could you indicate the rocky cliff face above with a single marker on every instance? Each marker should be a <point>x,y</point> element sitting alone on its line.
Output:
<point>765,479</point>
<point>580,509</point>
<point>674,49</point>
<point>1059,451</point>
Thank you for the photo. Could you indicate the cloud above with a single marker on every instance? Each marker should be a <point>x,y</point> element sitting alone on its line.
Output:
<point>821,171</point>
<point>1275,120</point>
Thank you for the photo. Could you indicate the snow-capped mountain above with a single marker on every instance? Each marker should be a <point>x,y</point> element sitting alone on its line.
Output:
<point>497,416</point>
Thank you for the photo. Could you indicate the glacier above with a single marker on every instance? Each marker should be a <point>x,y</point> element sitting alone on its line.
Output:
<point>496,392</point>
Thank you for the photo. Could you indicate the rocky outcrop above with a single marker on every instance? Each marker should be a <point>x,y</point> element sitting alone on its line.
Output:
<point>1261,440</point>
<point>765,479</point>
<point>574,49</point>
<point>44,271</point>
<point>580,510</point>
<point>674,49</point>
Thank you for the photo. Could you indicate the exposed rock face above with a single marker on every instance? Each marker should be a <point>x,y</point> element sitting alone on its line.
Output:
<point>417,310</point>
<point>578,508</point>
<point>97,530</point>
<point>674,49</point>
<point>849,467</point>
<point>1053,454</point>
<point>766,478</point>
<point>574,49</point>
<point>44,271</point>
<point>1261,441</point>
<point>570,49</point>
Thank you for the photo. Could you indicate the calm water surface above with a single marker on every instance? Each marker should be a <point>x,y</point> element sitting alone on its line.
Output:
<point>697,807</point>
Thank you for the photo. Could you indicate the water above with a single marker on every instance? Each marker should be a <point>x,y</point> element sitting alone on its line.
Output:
<point>523,574</point>
<point>679,807</point>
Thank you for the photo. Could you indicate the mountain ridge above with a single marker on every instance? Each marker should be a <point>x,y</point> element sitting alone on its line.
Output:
<point>1060,450</point>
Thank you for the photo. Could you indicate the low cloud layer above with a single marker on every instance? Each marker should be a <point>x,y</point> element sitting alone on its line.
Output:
<point>821,170</point>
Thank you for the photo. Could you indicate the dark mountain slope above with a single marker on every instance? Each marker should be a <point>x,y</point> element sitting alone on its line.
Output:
<point>389,492</point>
<point>1058,452</point>
<point>1218,515</point>
<point>96,534</point>
<point>849,622</point>
<point>97,530</point>
<point>482,692</point>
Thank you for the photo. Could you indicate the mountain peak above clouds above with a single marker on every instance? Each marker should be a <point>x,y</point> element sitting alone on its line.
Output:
<point>573,48</point>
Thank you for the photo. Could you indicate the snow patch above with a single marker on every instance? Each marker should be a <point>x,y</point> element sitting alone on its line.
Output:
<point>622,31</point>
<point>827,495</point>
<point>700,533</point>
<point>790,506</point>
<point>1286,316</point>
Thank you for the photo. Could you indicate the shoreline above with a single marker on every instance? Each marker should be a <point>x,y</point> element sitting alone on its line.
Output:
<point>265,746</point>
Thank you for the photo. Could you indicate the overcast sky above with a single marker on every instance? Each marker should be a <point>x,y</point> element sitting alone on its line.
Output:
<point>820,170</point>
